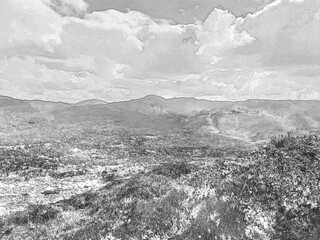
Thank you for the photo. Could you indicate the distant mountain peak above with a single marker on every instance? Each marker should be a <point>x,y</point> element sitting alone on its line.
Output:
<point>154,97</point>
<point>91,102</point>
<point>5,97</point>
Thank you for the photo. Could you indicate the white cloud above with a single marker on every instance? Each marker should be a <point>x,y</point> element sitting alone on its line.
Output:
<point>25,77</point>
<point>27,24</point>
<point>266,8</point>
<point>220,33</point>
<point>68,7</point>
<point>288,33</point>
<point>53,49</point>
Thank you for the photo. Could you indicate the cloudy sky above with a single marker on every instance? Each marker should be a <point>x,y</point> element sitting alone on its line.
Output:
<point>71,50</point>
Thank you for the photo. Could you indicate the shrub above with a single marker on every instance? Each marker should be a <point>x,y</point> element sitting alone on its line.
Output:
<point>173,169</point>
<point>35,213</point>
<point>270,193</point>
<point>108,176</point>
<point>217,220</point>
<point>280,180</point>
<point>80,201</point>
<point>31,159</point>
<point>142,188</point>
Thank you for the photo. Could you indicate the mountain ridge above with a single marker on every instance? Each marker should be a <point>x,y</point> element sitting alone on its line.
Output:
<point>152,97</point>
<point>252,120</point>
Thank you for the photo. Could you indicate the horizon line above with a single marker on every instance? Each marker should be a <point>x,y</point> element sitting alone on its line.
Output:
<point>156,96</point>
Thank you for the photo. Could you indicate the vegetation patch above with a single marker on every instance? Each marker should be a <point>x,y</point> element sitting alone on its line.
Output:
<point>270,193</point>
<point>35,213</point>
<point>174,169</point>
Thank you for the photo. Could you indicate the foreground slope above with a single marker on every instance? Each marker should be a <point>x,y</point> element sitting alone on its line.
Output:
<point>271,193</point>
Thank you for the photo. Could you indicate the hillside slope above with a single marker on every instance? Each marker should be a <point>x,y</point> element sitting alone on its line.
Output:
<point>256,120</point>
<point>250,121</point>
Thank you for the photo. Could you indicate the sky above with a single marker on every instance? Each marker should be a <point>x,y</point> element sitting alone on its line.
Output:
<point>72,50</point>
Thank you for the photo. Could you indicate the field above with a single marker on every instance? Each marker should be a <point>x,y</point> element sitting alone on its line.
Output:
<point>128,175</point>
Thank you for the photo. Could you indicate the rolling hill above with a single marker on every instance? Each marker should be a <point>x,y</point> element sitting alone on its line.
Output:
<point>256,120</point>
<point>90,102</point>
<point>250,121</point>
<point>157,105</point>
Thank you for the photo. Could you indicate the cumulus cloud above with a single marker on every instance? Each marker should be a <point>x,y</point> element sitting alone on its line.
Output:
<point>29,24</point>
<point>185,11</point>
<point>56,50</point>
<point>289,34</point>
<point>220,33</point>
<point>25,77</point>
<point>75,8</point>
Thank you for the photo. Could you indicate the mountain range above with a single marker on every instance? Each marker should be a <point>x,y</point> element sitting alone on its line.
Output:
<point>250,121</point>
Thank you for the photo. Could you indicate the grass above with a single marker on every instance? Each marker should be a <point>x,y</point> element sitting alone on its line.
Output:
<point>174,169</point>
<point>271,193</point>
<point>35,213</point>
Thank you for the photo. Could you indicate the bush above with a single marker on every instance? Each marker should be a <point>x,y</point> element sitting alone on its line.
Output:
<point>80,201</point>
<point>173,169</point>
<point>270,193</point>
<point>31,160</point>
<point>142,188</point>
<point>217,220</point>
<point>281,183</point>
<point>35,213</point>
<point>108,176</point>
